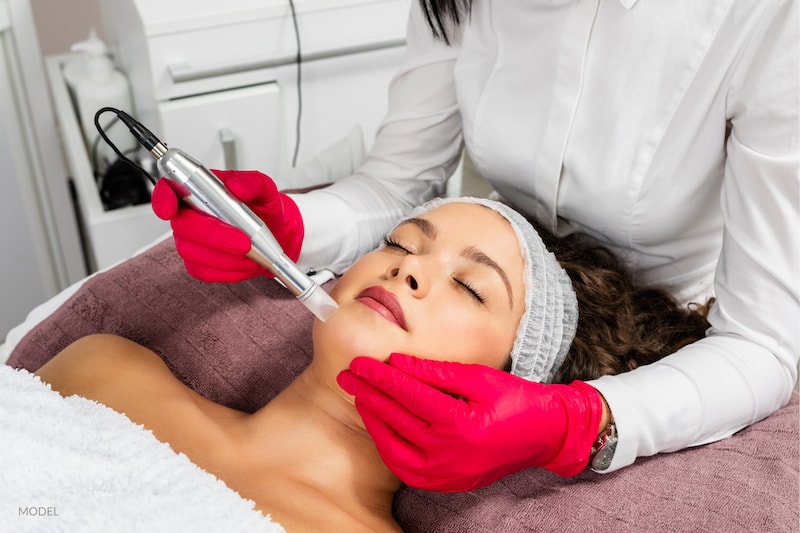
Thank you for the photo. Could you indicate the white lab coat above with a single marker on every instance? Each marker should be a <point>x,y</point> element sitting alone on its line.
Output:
<point>669,130</point>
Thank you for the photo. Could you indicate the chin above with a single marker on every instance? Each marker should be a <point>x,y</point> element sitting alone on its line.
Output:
<point>343,340</point>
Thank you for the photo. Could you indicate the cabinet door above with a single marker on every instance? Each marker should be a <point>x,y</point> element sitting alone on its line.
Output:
<point>233,129</point>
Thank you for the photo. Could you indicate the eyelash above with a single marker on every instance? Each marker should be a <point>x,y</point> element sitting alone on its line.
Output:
<point>466,286</point>
<point>471,290</point>
<point>391,243</point>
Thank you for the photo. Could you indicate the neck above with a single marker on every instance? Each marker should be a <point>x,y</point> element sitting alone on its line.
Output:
<point>316,439</point>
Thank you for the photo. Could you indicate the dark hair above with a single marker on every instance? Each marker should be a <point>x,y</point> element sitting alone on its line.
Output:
<point>440,14</point>
<point>620,325</point>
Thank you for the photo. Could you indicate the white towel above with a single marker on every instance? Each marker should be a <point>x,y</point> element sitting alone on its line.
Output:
<point>71,464</point>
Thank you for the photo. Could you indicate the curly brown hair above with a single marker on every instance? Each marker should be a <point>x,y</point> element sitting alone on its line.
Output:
<point>620,325</point>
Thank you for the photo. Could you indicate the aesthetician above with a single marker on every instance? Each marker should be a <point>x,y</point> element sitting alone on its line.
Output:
<point>670,131</point>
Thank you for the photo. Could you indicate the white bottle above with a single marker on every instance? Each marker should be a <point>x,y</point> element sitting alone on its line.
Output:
<point>102,85</point>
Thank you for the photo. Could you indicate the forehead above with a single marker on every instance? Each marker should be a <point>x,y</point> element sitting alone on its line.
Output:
<point>458,216</point>
<point>462,224</point>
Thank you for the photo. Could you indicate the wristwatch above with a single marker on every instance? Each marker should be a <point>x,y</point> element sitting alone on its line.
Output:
<point>603,449</point>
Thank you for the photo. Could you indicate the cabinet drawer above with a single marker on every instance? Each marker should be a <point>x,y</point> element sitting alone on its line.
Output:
<point>233,129</point>
<point>183,48</point>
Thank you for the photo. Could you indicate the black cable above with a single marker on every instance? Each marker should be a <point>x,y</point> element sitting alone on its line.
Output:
<point>299,86</point>
<point>144,137</point>
<point>96,146</point>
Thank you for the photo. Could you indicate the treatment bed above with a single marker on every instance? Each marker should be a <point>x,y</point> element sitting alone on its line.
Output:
<point>239,344</point>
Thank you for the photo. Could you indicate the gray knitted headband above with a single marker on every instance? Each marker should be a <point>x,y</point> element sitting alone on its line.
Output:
<point>548,324</point>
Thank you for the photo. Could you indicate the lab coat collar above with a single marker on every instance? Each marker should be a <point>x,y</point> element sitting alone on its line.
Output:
<point>627,4</point>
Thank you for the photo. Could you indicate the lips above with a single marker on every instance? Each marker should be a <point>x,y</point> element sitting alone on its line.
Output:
<point>384,303</point>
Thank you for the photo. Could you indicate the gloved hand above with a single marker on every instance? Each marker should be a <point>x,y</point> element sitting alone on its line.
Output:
<point>215,251</point>
<point>453,427</point>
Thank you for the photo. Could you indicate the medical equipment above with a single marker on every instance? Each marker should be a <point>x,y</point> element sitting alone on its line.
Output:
<point>204,192</point>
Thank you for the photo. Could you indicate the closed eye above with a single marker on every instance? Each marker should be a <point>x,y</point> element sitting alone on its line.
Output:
<point>389,242</point>
<point>470,289</point>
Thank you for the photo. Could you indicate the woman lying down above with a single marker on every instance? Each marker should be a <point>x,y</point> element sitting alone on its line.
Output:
<point>466,280</point>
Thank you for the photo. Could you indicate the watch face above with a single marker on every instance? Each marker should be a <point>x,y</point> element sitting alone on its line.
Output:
<point>605,449</point>
<point>602,460</point>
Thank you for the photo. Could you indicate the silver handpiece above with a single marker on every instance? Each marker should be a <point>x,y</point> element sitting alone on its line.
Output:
<point>203,191</point>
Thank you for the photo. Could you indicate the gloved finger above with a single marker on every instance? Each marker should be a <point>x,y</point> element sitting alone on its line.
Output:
<point>393,414</point>
<point>261,193</point>
<point>406,460</point>
<point>213,266</point>
<point>164,201</point>
<point>249,185</point>
<point>394,449</point>
<point>419,398</point>
<point>368,401</point>
<point>189,225</point>
<point>349,382</point>
<point>468,382</point>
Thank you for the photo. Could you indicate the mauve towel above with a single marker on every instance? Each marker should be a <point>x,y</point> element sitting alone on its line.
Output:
<point>239,344</point>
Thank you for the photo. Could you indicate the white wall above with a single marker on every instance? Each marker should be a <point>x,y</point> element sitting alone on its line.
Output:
<point>39,234</point>
<point>61,23</point>
<point>27,276</point>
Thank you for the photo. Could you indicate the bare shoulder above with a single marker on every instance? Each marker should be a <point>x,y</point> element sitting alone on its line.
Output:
<point>97,364</point>
<point>129,378</point>
<point>135,381</point>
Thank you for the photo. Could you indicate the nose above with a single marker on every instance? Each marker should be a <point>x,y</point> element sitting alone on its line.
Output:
<point>410,272</point>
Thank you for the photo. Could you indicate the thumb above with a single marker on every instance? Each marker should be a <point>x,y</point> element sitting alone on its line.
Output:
<point>164,201</point>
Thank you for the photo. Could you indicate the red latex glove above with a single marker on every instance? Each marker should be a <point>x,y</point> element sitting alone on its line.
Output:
<point>453,427</point>
<point>215,251</point>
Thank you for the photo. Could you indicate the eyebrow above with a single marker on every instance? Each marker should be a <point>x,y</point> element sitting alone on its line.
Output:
<point>471,253</point>
<point>424,226</point>
<point>476,256</point>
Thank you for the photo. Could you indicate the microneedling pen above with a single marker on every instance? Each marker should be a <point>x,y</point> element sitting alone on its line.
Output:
<point>206,193</point>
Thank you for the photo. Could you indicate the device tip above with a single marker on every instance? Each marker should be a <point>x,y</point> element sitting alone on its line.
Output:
<point>320,303</point>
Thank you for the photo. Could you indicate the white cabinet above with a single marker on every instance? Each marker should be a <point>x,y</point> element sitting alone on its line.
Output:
<point>220,81</point>
<point>221,78</point>
<point>229,129</point>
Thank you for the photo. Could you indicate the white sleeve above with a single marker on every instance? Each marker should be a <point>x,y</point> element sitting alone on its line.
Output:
<point>416,149</point>
<point>746,367</point>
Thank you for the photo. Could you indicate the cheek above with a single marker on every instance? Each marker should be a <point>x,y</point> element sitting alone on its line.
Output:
<point>365,271</point>
<point>464,338</point>
<point>490,349</point>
